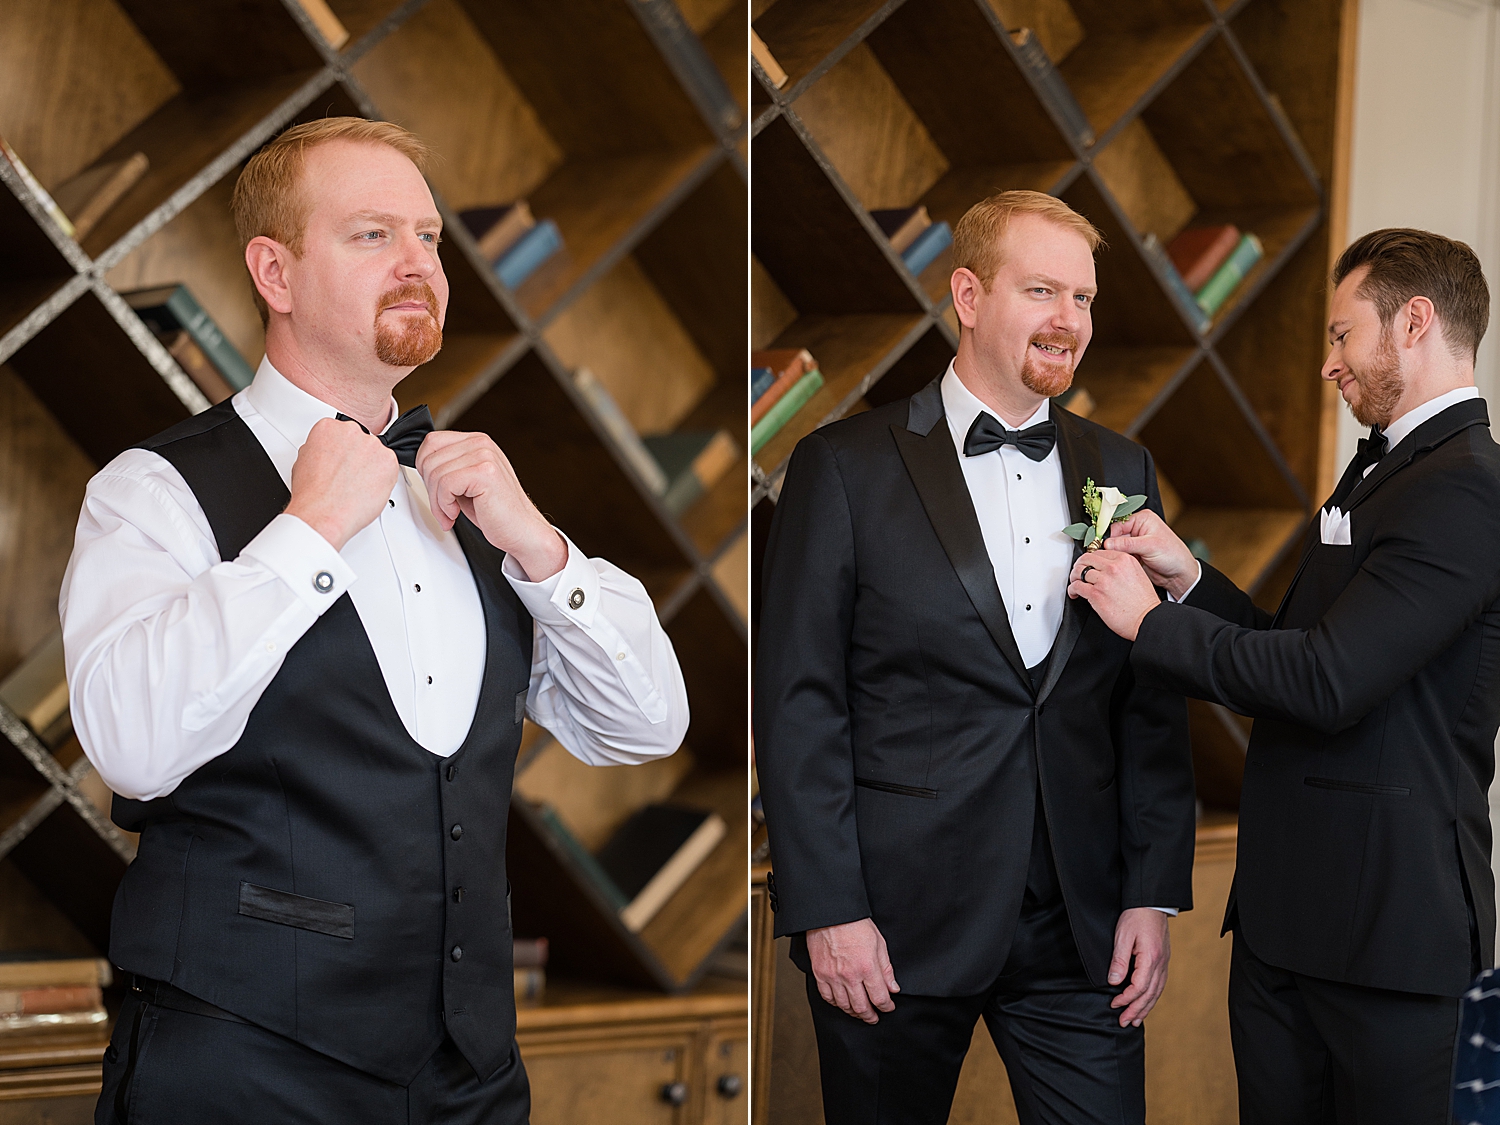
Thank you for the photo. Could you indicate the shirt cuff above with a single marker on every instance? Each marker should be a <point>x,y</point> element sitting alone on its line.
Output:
<point>569,597</point>
<point>1169,911</point>
<point>304,560</point>
<point>1189,591</point>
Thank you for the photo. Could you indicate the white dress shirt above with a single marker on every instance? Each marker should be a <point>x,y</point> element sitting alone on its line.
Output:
<point>1402,426</point>
<point>169,647</point>
<point>1022,509</point>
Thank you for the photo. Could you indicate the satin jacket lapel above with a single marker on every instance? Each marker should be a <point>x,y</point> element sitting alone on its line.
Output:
<point>1078,451</point>
<point>932,462</point>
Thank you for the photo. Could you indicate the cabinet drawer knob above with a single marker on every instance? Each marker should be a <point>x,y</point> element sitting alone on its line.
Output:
<point>674,1093</point>
<point>729,1086</point>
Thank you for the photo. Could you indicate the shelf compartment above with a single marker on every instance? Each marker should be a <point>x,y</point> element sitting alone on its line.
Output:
<point>70,863</point>
<point>1275,351</point>
<point>711,650</point>
<point>852,352</point>
<point>566,465</point>
<point>731,572</point>
<point>89,374</point>
<point>1180,164</point>
<point>1132,307</point>
<point>510,130</point>
<point>801,35</point>
<point>36,269</point>
<point>1110,54</point>
<point>920,364</point>
<point>1125,382</point>
<point>721,27</point>
<point>900,135</point>
<point>1236,492</point>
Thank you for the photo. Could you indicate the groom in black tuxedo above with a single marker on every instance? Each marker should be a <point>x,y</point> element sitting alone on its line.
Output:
<point>1363,901</point>
<point>965,787</point>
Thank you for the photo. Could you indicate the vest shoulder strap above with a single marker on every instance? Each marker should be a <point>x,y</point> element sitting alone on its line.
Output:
<point>230,474</point>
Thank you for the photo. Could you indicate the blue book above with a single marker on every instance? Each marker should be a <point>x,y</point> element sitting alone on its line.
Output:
<point>761,379</point>
<point>530,251</point>
<point>927,246</point>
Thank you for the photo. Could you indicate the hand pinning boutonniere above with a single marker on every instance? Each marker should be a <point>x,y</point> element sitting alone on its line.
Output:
<point>1104,506</point>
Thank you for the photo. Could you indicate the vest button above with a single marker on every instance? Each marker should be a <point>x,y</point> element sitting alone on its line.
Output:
<point>457,832</point>
<point>452,772</point>
<point>458,953</point>
<point>458,894</point>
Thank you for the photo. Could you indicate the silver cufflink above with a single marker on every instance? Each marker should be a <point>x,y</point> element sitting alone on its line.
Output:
<point>575,599</point>
<point>322,582</point>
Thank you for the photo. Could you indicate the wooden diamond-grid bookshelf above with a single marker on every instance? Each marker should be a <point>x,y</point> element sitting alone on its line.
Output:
<point>1203,111</point>
<point>624,121</point>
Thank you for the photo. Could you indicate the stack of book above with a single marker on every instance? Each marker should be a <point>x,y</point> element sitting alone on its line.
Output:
<point>79,203</point>
<point>679,467</point>
<point>511,239</point>
<point>1204,266</point>
<point>914,235</point>
<point>187,331</point>
<point>782,380</point>
<point>40,995</point>
<point>648,858</point>
<point>529,957</point>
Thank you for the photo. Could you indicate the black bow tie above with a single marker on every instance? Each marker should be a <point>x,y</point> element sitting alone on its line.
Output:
<point>404,437</point>
<point>1371,449</point>
<point>988,434</point>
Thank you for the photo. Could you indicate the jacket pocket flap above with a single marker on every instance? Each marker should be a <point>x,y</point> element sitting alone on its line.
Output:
<point>336,919</point>
<point>1357,787</point>
<point>899,790</point>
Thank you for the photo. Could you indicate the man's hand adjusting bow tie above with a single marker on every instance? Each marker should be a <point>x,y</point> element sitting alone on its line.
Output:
<point>988,434</point>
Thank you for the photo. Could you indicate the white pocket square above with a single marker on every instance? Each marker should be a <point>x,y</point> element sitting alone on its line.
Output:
<point>1335,528</point>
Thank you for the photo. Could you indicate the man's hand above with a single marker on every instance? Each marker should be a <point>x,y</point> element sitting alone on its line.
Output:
<point>1140,933</point>
<point>1117,588</point>
<point>467,473</point>
<point>853,969</point>
<point>341,479</point>
<point>1163,556</point>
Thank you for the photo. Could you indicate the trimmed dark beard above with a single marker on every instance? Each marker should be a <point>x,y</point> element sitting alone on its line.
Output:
<point>1380,386</point>
<point>1049,382</point>
<point>418,340</point>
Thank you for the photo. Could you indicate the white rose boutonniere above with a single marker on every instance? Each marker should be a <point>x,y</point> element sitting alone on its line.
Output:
<point>1104,506</point>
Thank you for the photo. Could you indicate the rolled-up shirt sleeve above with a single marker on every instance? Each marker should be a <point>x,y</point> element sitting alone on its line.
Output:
<point>168,647</point>
<point>604,678</point>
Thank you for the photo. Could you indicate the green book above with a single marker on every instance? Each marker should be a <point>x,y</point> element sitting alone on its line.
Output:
<point>780,414</point>
<point>169,308</point>
<point>1226,278</point>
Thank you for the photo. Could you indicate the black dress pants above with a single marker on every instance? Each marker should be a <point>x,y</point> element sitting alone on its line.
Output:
<point>166,1066</point>
<point>1319,1052</point>
<point>1069,1060</point>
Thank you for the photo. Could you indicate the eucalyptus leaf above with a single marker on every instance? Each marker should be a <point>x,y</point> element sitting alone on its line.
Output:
<point>1089,536</point>
<point>1130,507</point>
<point>1075,530</point>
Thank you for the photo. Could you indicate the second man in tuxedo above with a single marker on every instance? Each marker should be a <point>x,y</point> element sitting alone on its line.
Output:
<point>1363,901</point>
<point>966,790</point>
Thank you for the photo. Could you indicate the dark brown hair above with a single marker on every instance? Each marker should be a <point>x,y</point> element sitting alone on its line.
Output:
<point>1406,263</point>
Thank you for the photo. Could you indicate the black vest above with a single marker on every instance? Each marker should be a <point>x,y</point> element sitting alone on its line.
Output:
<point>327,878</point>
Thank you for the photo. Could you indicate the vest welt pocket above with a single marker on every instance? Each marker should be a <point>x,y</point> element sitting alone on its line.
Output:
<point>899,790</point>
<point>1357,787</point>
<point>336,919</point>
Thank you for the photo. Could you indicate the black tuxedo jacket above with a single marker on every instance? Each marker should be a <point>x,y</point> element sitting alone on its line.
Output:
<point>899,740</point>
<point>1364,818</point>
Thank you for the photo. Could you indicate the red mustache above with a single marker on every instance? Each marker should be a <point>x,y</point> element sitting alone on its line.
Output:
<point>1057,340</point>
<point>412,291</point>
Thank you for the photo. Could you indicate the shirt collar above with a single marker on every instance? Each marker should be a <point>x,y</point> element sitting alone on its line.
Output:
<point>290,410</point>
<point>1397,431</point>
<point>962,406</point>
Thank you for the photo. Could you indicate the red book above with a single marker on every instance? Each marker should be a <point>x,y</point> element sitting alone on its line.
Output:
<point>790,364</point>
<point>1198,251</point>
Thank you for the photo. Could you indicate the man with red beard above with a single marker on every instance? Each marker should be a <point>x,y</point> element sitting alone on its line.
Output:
<point>1363,901</point>
<point>300,654</point>
<point>965,788</point>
